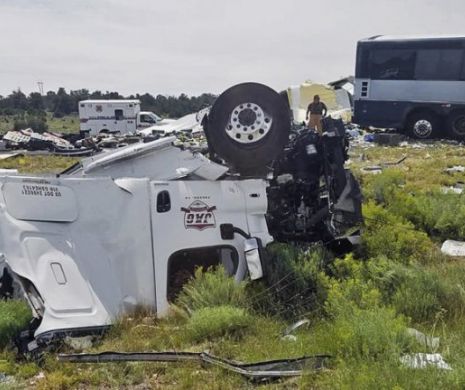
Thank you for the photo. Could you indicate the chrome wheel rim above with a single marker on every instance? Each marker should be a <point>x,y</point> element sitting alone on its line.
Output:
<point>248,123</point>
<point>423,128</point>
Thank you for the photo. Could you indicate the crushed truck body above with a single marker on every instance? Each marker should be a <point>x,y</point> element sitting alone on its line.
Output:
<point>128,227</point>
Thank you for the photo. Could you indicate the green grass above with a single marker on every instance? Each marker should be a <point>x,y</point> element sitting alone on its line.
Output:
<point>14,316</point>
<point>38,164</point>
<point>359,306</point>
<point>67,124</point>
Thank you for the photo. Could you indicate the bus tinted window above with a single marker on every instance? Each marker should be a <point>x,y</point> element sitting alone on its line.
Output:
<point>445,64</point>
<point>392,64</point>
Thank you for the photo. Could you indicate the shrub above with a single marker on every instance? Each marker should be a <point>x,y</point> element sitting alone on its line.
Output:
<point>383,188</point>
<point>19,125</point>
<point>295,282</point>
<point>391,236</point>
<point>423,292</point>
<point>440,215</point>
<point>14,316</point>
<point>37,124</point>
<point>212,322</point>
<point>416,291</point>
<point>210,289</point>
<point>361,327</point>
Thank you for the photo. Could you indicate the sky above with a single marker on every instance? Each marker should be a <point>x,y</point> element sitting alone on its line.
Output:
<point>194,46</point>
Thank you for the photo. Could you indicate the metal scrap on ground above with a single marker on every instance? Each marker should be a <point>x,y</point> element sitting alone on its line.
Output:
<point>259,371</point>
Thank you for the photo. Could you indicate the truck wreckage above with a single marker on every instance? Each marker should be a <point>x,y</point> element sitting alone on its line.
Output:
<point>128,227</point>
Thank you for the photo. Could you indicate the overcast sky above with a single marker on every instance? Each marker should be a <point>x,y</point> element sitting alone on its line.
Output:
<point>195,46</point>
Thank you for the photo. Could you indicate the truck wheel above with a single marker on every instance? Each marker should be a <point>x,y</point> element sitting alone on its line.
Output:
<point>456,124</point>
<point>422,125</point>
<point>248,126</point>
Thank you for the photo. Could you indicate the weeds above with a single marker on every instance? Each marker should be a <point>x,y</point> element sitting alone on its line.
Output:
<point>394,237</point>
<point>295,282</point>
<point>14,316</point>
<point>38,164</point>
<point>213,322</point>
<point>210,289</point>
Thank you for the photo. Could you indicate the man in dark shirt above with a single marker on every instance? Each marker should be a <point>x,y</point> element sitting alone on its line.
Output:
<point>317,110</point>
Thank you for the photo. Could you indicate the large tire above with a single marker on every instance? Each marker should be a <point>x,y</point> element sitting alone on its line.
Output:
<point>422,125</point>
<point>456,124</point>
<point>248,127</point>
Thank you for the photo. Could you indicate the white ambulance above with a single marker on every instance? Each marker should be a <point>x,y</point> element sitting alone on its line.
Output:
<point>114,116</point>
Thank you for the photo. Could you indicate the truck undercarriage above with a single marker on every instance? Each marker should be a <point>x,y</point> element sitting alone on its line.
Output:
<point>128,227</point>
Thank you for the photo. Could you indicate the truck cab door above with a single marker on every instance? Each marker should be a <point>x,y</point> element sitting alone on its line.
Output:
<point>186,220</point>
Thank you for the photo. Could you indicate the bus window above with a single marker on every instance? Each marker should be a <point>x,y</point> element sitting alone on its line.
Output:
<point>392,64</point>
<point>445,64</point>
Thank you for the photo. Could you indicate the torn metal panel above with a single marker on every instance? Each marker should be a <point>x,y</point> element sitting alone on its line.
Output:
<point>157,160</point>
<point>259,371</point>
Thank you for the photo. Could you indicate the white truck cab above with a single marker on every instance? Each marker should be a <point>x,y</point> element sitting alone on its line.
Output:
<point>128,227</point>
<point>114,116</point>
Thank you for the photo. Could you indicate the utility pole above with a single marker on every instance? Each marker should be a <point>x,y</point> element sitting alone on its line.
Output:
<point>41,87</point>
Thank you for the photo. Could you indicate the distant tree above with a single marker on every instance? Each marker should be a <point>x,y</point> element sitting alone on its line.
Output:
<point>112,95</point>
<point>18,100</point>
<point>35,101</point>
<point>147,101</point>
<point>96,95</point>
<point>63,104</point>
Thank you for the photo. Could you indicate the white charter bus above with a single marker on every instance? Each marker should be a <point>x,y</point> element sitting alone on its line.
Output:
<point>412,84</point>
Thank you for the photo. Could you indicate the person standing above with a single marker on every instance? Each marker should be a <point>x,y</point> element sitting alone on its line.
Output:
<point>317,110</point>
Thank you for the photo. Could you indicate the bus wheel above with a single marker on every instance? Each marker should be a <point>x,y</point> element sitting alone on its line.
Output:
<point>422,125</point>
<point>456,124</point>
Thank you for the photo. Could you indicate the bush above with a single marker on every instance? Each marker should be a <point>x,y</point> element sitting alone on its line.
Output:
<point>383,188</point>
<point>361,328</point>
<point>14,316</point>
<point>20,125</point>
<point>388,235</point>
<point>212,322</point>
<point>416,291</point>
<point>36,123</point>
<point>295,282</point>
<point>210,289</point>
<point>419,295</point>
<point>440,215</point>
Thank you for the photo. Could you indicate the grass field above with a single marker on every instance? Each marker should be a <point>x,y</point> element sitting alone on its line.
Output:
<point>359,306</point>
<point>67,124</point>
<point>38,164</point>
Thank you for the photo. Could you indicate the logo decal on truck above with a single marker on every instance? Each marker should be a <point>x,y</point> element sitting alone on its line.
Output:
<point>198,215</point>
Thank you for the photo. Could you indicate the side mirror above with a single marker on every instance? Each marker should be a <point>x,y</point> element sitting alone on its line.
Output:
<point>252,250</point>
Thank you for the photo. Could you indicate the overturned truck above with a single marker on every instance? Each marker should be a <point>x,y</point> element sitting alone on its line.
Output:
<point>128,227</point>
